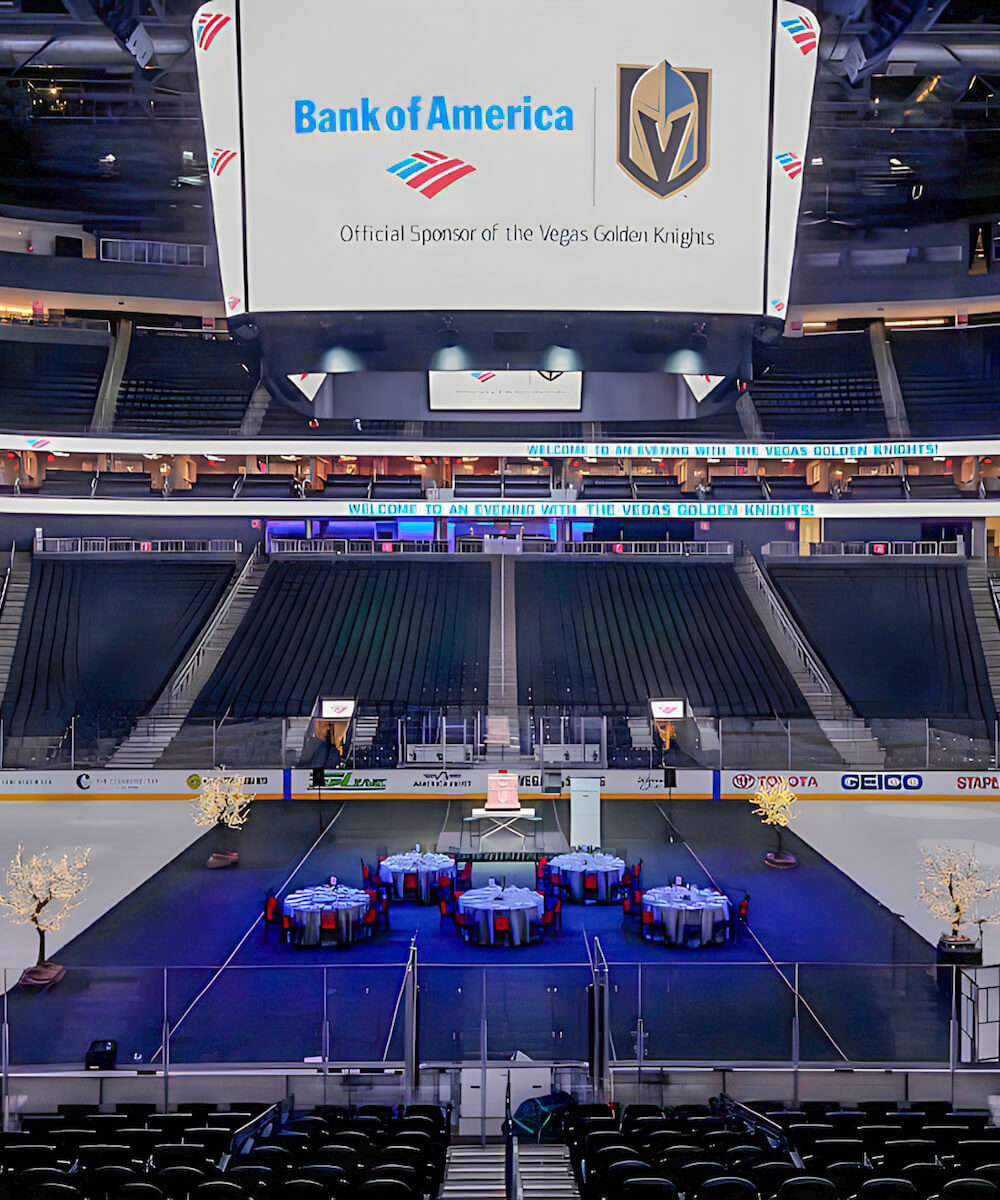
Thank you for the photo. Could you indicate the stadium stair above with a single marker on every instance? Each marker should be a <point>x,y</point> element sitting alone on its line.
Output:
<point>253,418</point>
<point>849,735</point>
<point>106,404</point>
<point>10,615</point>
<point>639,733</point>
<point>502,716</point>
<point>155,730</point>
<point>474,1173</point>
<point>984,588</point>
<point>546,1172</point>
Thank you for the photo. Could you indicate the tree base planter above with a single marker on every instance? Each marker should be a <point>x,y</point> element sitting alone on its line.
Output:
<point>960,951</point>
<point>781,860</point>
<point>42,975</point>
<point>221,859</point>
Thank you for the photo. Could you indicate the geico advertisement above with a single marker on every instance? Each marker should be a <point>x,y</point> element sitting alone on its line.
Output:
<point>394,156</point>
<point>850,784</point>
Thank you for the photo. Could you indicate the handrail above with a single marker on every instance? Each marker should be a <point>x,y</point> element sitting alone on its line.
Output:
<point>189,668</point>
<point>673,549</point>
<point>119,545</point>
<point>809,662</point>
<point>7,574</point>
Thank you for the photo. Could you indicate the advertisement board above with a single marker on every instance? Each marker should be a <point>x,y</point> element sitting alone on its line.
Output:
<point>560,156</point>
<point>498,391</point>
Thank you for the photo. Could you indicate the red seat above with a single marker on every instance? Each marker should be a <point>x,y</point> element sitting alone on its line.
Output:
<point>552,917</point>
<point>411,886</point>
<point>501,928</point>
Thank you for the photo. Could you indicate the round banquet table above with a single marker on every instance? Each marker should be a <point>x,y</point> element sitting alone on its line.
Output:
<point>522,905</point>
<point>307,906</point>
<point>678,905</point>
<point>573,867</point>
<point>427,867</point>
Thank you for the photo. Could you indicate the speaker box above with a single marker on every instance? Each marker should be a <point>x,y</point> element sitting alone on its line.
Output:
<point>318,777</point>
<point>669,777</point>
<point>101,1056</point>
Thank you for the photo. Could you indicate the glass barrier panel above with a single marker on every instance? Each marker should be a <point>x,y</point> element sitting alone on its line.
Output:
<point>540,1011</point>
<point>450,1013</point>
<point>365,1023</point>
<point>732,1012</point>
<point>624,982</point>
<point>245,1014</point>
<point>55,1022</point>
<point>874,1013</point>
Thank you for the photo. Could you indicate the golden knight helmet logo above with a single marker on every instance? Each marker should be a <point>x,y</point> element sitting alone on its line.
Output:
<point>664,116</point>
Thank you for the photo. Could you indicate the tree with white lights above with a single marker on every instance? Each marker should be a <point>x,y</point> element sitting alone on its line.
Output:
<point>956,889</point>
<point>774,803</point>
<point>42,890</point>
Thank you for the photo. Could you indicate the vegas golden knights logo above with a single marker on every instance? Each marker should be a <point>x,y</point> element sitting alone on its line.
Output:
<point>664,116</point>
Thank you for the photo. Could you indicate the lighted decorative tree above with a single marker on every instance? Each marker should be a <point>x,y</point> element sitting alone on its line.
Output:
<point>42,891</point>
<point>774,807</point>
<point>956,888</point>
<point>222,803</point>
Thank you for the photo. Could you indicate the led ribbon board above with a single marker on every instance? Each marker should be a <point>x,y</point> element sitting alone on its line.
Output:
<point>642,156</point>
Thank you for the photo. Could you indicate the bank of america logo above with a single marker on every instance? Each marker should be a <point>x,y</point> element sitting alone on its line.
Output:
<point>791,164</point>
<point>209,24</point>
<point>803,33</point>
<point>220,160</point>
<point>778,306</point>
<point>233,302</point>
<point>430,172</point>
<point>484,376</point>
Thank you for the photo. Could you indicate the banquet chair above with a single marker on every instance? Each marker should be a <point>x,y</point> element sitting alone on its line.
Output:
<point>411,885</point>
<point>369,921</point>
<point>273,916</point>
<point>463,874</point>
<point>446,907</point>
<point>536,931</point>
<point>328,925</point>
<point>367,875</point>
<point>590,886</point>
<point>653,929</point>
<point>691,935</point>
<point>540,865</point>
<point>552,914</point>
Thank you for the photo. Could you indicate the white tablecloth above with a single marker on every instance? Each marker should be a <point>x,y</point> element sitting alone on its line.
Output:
<point>680,905</point>
<point>522,905</point>
<point>573,867</point>
<point>427,867</point>
<point>306,908</point>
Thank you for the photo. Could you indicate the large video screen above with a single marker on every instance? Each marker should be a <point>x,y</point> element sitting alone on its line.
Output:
<point>644,155</point>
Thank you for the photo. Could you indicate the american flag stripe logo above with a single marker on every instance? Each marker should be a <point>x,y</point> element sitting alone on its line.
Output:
<point>484,376</point>
<point>209,25</point>
<point>791,164</point>
<point>803,33</point>
<point>430,172</point>
<point>220,160</point>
